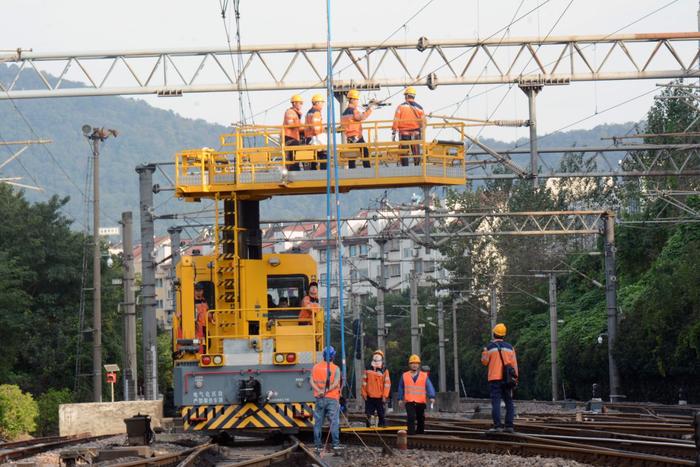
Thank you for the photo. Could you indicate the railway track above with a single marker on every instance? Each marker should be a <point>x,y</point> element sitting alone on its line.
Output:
<point>22,449</point>
<point>294,452</point>
<point>527,447</point>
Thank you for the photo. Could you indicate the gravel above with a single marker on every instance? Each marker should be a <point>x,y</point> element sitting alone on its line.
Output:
<point>357,456</point>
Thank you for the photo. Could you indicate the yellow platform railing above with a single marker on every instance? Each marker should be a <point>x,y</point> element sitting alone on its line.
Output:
<point>258,154</point>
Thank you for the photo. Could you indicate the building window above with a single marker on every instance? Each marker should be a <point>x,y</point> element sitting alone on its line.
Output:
<point>322,255</point>
<point>353,275</point>
<point>159,282</point>
<point>407,252</point>
<point>353,250</point>
<point>394,270</point>
<point>393,244</point>
<point>364,249</point>
<point>159,304</point>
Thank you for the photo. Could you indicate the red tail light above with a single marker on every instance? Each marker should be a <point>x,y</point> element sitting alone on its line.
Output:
<point>291,357</point>
<point>206,360</point>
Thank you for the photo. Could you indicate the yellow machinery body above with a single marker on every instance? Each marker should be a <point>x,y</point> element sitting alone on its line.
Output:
<point>243,355</point>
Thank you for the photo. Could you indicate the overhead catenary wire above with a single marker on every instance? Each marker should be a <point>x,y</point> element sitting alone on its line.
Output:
<point>331,72</point>
<point>584,47</point>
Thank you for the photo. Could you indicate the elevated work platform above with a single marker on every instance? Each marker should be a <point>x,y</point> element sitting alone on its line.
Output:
<point>259,164</point>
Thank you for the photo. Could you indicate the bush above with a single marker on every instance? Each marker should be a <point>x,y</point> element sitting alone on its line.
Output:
<point>18,412</point>
<point>48,410</point>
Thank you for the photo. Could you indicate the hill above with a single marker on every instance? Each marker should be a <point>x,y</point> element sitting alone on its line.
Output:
<point>149,134</point>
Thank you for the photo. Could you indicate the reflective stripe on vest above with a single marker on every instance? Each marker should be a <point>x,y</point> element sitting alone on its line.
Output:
<point>415,391</point>
<point>319,375</point>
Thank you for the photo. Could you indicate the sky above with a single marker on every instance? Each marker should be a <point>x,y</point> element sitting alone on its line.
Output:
<point>51,26</point>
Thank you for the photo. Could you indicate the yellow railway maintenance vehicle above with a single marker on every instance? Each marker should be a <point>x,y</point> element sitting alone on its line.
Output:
<point>247,364</point>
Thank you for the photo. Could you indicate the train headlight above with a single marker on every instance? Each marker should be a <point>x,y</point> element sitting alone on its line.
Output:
<point>218,360</point>
<point>279,358</point>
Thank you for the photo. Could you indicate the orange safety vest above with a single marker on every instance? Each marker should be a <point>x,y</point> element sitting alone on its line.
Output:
<point>314,123</point>
<point>319,374</point>
<point>415,391</point>
<point>376,384</point>
<point>351,121</point>
<point>408,118</point>
<point>292,124</point>
<point>202,312</point>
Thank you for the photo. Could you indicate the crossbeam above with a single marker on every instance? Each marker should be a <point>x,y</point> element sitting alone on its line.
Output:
<point>367,65</point>
<point>635,160</point>
<point>444,225</point>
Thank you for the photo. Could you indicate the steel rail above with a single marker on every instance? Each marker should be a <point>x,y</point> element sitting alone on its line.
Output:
<point>525,449</point>
<point>23,449</point>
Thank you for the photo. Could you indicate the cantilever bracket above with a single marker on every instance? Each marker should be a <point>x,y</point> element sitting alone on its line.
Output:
<point>501,158</point>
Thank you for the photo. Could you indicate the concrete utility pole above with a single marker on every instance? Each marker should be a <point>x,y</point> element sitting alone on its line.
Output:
<point>553,323</point>
<point>381,279</point>
<point>415,328</point>
<point>174,233</point>
<point>129,310</point>
<point>441,346</point>
<point>148,283</point>
<point>455,354</point>
<point>96,136</point>
<point>531,91</point>
<point>611,303</point>
<point>494,307</point>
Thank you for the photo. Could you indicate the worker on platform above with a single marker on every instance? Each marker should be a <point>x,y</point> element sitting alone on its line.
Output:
<point>326,384</point>
<point>376,386</point>
<point>415,389</point>
<point>309,305</point>
<point>314,128</point>
<point>202,316</point>
<point>293,129</point>
<point>351,121</point>
<point>500,358</point>
<point>409,123</point>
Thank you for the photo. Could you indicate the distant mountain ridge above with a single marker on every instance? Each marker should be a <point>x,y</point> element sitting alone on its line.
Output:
<point>148,134</point>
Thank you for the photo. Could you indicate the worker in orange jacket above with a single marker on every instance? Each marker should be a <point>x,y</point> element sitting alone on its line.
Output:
<point>409,123</point>
<point>326,382</point>
<point>202,316</point>
<point>497,355</point>
<point>314,128</point>
<point>376,386</point>
<point>293,129</point>
<point>309,305</point>
<point>351,121</point>
<point>415,390</point>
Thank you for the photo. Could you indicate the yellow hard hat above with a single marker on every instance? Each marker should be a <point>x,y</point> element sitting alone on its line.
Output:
<point>410,91</point>
<point>414,359</point>
<point>318,98</point>
<point>353,94</point>
<point>378,352</point>
<point>500,330</point>
<point>296,98</point>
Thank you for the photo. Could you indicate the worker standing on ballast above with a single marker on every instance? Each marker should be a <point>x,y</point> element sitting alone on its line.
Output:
<point>415,389</point>
<point>500,357</point>
<point>326,382</point>
<point>293,129</point>
<point>351,121</point>
<point>376,386</point>
<point>314,128</point>
<point>409,123</point>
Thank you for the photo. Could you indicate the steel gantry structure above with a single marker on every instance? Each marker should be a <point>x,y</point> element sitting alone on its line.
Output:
<point>445,226</point>
<point>365,65</point>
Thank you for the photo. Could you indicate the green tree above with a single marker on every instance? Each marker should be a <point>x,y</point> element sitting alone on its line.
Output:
<point>48,404</point>
<point>18,412</point>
